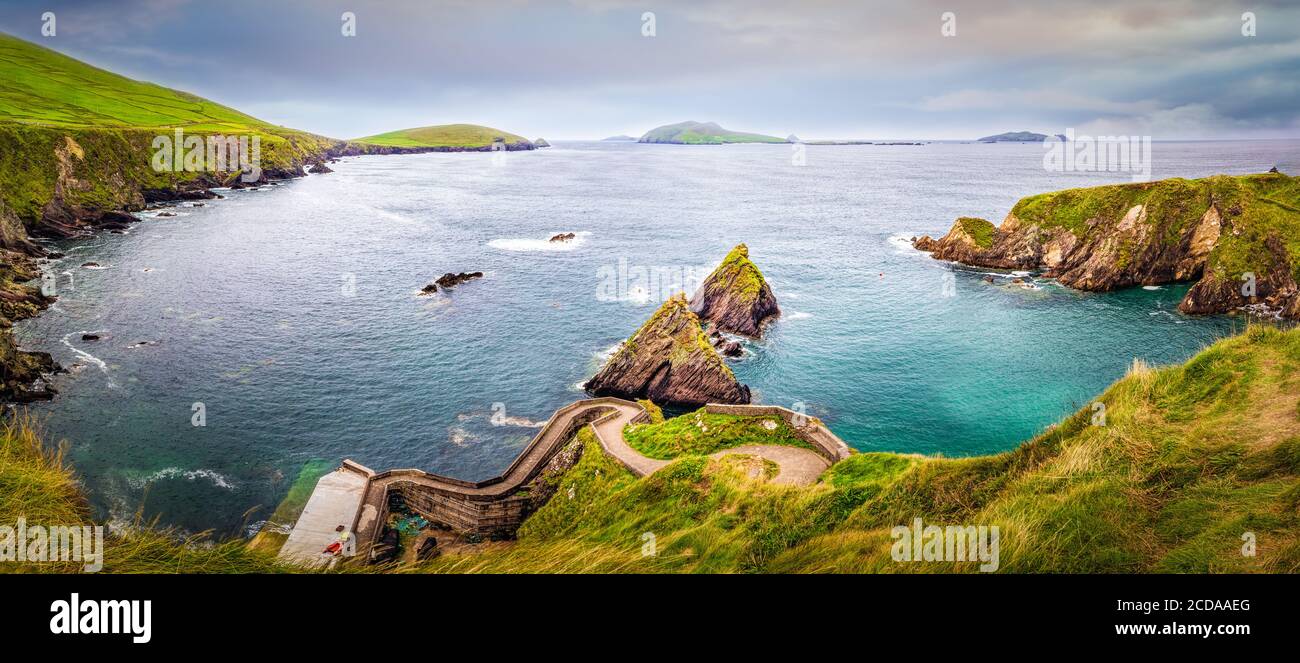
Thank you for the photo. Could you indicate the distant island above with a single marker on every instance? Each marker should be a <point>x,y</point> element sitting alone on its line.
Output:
<point>620,137</point>
<point>703,133</point>
<point>1015,137</point>
<point>445,137</point>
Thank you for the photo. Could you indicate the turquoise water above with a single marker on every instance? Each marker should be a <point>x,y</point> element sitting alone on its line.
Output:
<point>290,312</point>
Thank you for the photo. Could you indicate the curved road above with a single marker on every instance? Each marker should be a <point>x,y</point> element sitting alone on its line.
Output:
<point>353,493</point>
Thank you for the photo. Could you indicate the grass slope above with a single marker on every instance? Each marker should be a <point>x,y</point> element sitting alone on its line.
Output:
<point>703,133</point>
<point>50,89</point>
<point>1259,207</point>
<point>1191,458</point>
<point>701,433</point>
<point>443,135</point>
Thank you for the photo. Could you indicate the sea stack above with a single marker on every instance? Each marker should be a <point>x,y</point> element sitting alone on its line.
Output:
<point>670,361</point>
<point>736,298</point>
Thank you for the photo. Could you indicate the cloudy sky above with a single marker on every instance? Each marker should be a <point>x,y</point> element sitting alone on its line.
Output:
<point>583,69</point>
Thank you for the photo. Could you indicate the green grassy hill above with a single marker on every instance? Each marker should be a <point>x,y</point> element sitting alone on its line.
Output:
<point>443,135</point>
<point>76,143</point>
<point>1189,460</point>
<point>46,88</point>
<point>702,133</point>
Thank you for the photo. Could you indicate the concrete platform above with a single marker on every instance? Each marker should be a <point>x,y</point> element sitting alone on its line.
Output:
<point>335,502</point>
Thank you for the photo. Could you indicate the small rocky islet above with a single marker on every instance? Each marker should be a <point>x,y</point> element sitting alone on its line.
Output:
<point>672,360</point>
<point>1233,237</point>
<point>450,280</point>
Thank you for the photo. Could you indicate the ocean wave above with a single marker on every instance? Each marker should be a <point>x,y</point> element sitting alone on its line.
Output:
<point>1152,287</point>
<point>903,245</point>
<point>217,479</point>
<point>82,353</point>
<point>525,244</point>
<point>798,315</point>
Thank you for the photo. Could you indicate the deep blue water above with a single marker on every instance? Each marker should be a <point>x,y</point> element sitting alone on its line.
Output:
<point>246,302</point>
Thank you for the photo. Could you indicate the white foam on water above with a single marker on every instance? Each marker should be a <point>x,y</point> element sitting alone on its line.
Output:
<point>82,353</point>
<point>798,315</point>
<point>545,244</point>
<point>217,479</point>
<point>1152,287</point>
<point>903,245</point>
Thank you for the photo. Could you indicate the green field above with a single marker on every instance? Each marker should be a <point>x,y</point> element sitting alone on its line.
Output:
<point>443,135</point>
<point>49,89</point>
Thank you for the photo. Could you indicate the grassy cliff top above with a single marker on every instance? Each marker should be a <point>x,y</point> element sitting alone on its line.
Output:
<point>46,88</point>
<point>1190,459</point>
<point>703,133</point>
<point>979,230</point>
<point>442,135</point>
<point>1257,206</point>
<point>1187,460</point>
<point>701,433</point>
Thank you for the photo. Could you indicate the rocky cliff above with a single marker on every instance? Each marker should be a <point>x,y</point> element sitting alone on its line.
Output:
<point>1237,239</point>
<point>736,298</point>
<point>670,361</point>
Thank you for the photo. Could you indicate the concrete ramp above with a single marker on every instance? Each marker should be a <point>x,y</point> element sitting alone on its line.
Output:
<point>335,502</point>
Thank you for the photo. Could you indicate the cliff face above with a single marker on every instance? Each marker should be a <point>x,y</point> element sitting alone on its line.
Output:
<point>72,181</point>
<point>1237,238</point>
<point>670,361</point>
<point>735,297</point>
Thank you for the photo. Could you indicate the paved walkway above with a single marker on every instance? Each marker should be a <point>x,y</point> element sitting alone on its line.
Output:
<point>348,496</point>
<point>335,502</point>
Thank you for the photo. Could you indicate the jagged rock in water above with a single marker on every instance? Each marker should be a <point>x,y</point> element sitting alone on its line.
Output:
<point>562,237</point>
<point>669,360</point>
<point>1226,234</point>
<point>450,280</point>
<point>320,168</point>
<point>735,297</point>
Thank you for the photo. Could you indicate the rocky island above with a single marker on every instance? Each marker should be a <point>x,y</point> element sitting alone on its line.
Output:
<point>702,133</point>
<point>1015,137</point>
<point>438,138</point>
<point>736,298</point>
<point>670,361</point>
<point>1237,238</point>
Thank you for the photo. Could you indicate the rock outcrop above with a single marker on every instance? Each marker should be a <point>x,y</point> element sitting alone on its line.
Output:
<point>319,168</point>
<point>736,298</point>
<point>450,280</point>
<point>1234,237</point>
<point>562,237</point>
<point>670,361</point>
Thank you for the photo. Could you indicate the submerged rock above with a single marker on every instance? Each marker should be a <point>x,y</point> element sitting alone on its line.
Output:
<point>90,337</point>
<point>669,360</point>
<point>450,280</point>
<point>735,297</point>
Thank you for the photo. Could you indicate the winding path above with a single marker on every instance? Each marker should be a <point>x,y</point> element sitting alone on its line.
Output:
<point>355,496</point>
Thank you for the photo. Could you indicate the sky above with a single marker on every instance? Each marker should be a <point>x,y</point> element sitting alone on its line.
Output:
<point>585,69</point>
